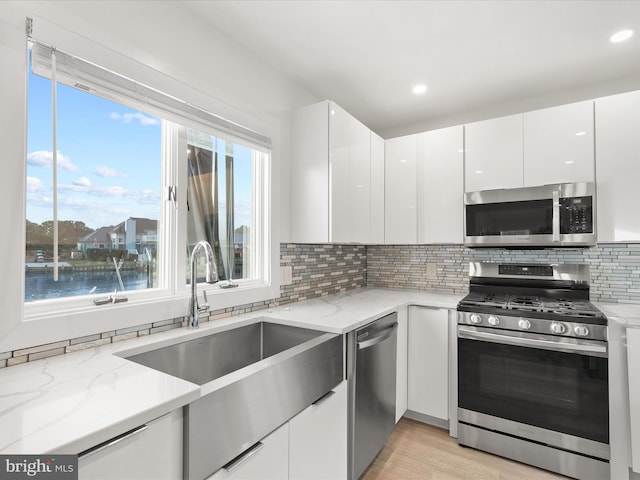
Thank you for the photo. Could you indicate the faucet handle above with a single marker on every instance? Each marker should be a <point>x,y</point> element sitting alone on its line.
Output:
<point>205,306</point>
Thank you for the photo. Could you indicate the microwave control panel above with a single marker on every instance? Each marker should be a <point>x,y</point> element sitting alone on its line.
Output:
<point>576,215</point>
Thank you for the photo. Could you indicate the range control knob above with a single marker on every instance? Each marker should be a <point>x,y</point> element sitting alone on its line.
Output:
<point>475,318</point>
<point>581,330</point>
<point>524,324</point>
<point>558,328</point>
<point>493,320</point>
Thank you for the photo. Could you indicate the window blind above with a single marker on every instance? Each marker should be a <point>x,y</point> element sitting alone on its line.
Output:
<point>82,74</point>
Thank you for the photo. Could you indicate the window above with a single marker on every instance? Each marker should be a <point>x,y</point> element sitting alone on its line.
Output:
<point>140,176</point>
<point>108,185</point>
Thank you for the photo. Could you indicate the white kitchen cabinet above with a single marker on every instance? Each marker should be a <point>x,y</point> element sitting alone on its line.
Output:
<point>318,438</point>
<point>310,174</point>
<point>331,177</point>
<point>377,189</point>
<point>633,356</point>
<point>494,154</point>
<point>401,184</point>
<point>558,145</point>
<point>401,363</point>
<point>152,451</point>
<point>267,460</point>
<point>440,186</point>
<point>618,167</point>
<point>428,372</point>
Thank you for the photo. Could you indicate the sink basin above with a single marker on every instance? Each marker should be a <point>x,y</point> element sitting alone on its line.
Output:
<point>205,359</point>
<point>253,379</point>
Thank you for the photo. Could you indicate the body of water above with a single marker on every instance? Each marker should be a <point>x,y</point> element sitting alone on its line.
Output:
<point>40,285</point>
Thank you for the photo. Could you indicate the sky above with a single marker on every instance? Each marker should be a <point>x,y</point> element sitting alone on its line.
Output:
<point>109,160</point>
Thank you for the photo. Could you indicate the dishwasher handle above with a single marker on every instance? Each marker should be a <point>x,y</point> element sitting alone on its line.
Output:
<point>381,337</point>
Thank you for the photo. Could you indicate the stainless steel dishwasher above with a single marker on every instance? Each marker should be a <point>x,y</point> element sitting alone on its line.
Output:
<point>372,390</point>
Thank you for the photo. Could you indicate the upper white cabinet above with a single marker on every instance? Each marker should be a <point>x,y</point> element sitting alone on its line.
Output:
<point>334,177</point>
<point>377,189</point>
<point>401,194</point>
<point>558,145</point>
<point>440,186</point>
<point>618,167</point>
<point>493,154</point>
<point>553,145</point>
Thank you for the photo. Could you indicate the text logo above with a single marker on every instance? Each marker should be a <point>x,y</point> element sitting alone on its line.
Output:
<point>49,467</point>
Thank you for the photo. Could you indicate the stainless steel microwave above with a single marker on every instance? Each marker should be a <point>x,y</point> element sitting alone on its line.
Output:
<point>562,215</point>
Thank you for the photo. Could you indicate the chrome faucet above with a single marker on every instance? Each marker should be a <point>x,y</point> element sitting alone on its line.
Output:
<point>211,276</point>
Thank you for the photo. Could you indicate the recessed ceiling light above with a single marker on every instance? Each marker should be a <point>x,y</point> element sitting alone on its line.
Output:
<point>621,36</point>
<point>478,171</point>
<point>580,134</point>
<point>419,89</point>
<point>568,162</point>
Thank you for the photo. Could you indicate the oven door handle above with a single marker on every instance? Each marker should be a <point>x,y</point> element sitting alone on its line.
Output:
<point>582,348</point>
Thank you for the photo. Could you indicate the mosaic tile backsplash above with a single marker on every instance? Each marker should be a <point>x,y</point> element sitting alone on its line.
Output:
<point>319,270</point>
<point>615,268</point>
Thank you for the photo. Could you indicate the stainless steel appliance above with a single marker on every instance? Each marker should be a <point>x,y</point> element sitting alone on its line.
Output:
<point>372,389</point>
<point>547,216</point>
<point>533,368</point>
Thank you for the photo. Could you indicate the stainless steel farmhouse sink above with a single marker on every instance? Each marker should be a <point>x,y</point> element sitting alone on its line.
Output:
<point>254,378</point>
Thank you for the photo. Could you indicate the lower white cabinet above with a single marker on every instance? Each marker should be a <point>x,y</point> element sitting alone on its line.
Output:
<point>401,363</point>
<point>318,439</point>
<point>312,445</point>
<point>152,451</point>
<point>428,360</point>
<point>266,460</point>
<point>633,356</point>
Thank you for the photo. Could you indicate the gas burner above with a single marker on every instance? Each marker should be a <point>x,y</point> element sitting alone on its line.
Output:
<point>528,303</point>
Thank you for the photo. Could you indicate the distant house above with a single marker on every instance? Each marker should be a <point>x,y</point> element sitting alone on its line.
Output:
<point>133,235</point>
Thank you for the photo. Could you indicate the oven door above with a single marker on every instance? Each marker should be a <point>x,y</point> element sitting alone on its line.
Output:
<point>538,387</point>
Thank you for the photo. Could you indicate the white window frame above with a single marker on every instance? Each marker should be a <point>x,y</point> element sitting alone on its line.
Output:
<point>25,325</point>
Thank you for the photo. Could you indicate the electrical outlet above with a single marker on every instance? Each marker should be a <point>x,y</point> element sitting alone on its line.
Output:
<point>432,271</point>
<point>286,275</point>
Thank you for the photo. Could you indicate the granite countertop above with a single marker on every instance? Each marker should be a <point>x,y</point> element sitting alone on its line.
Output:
<point>69,403</point>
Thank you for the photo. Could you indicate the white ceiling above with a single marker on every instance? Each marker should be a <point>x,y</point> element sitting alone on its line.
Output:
<point>479,59</point>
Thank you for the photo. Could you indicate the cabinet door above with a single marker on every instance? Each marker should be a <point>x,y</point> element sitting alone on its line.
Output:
<point>267,460</point>
<point>318,439</point>
<point>401,221</point>
<point>428,377</point>
<point>377,189</point>
<point>350,183</point>
<point>440,186</point>
<point>310,174</point>
<point>493,154</point>
<point>633,356</point>
<point>152,452</point>
<point>618,167</point>
<point>401,363</point>
<point>558,145</point>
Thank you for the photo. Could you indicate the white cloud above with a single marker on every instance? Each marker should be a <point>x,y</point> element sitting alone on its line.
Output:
<point>82,182</point>
<point>35,185</point>
<point>128,117</point>
<point>43,158</point>
<point>145,197</point>
<point>113,191</point>
<point>104,171</point>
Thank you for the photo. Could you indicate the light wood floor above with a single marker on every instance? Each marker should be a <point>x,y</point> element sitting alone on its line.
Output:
<point>416,451</point>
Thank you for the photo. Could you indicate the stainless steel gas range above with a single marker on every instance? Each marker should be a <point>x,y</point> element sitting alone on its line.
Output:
<point>533,368</point>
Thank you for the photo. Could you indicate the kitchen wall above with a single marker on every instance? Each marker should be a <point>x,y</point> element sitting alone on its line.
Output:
<point>615,268</point>
<point>317,270</point>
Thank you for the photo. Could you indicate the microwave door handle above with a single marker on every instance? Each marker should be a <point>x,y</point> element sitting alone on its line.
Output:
<point>555,220</point>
